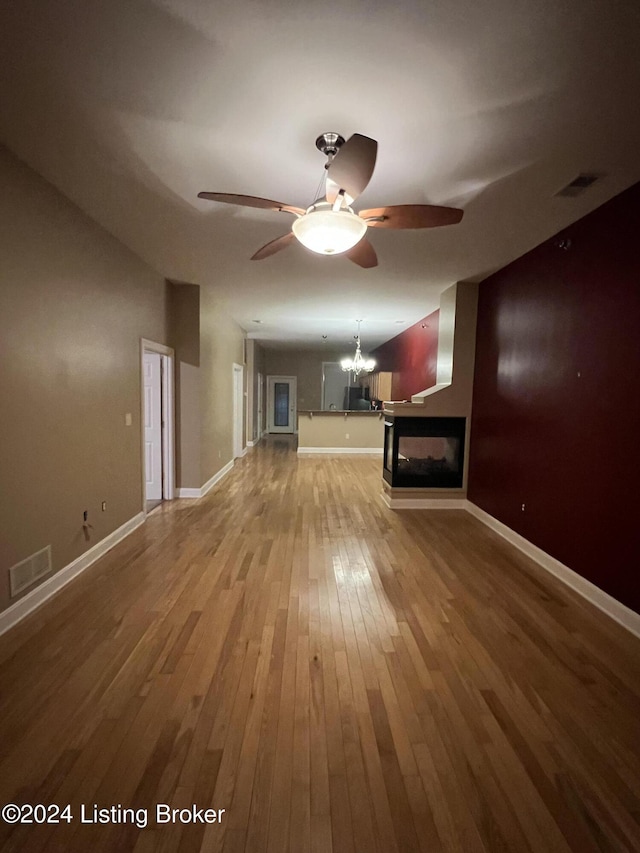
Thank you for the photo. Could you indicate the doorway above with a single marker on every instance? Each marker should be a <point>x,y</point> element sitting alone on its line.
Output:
<point>281,404</point>
<point>158,448</point>
<point>335,385</point>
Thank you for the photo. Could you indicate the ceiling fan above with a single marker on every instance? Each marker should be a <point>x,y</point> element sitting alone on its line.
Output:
<point>330,226</point>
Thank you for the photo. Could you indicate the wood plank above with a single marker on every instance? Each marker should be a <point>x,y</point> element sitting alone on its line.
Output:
<point>335,675</point>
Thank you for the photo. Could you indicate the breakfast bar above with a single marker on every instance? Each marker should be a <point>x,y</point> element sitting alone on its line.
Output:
<point>336,431</point>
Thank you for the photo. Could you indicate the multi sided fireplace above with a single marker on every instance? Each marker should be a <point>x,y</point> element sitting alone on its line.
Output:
<point>424,452</point>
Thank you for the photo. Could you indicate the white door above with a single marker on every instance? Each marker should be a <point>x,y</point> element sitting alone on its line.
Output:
<point>238,409</point>
<point>152,426</point>
<point>281,402</point>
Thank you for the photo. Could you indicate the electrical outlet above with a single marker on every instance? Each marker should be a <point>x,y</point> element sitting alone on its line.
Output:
<point>346,435</point>
<point>104,506</point>
<point>522,507</point>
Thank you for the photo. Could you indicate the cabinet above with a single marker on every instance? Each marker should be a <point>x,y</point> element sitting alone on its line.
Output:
<point>379,385</point>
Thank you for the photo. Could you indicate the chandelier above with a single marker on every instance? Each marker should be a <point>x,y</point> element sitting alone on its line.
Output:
<point>358,364</point>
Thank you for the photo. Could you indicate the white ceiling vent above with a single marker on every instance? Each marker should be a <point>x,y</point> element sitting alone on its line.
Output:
<point>578,186</point>
<point>27,572</point>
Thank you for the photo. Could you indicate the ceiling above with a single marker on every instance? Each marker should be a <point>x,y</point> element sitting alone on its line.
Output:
<point>131,107</point>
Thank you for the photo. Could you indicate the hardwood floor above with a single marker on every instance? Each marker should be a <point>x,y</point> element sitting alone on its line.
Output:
<point>335,675</point>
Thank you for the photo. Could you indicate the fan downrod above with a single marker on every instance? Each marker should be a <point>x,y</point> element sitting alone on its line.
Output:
<point>329,143</point>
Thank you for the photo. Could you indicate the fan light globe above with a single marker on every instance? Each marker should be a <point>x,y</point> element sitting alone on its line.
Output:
<point>327,231</point>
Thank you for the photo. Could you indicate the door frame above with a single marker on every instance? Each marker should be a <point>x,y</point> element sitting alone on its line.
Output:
<point>167,406</point>
<point>293,394</point>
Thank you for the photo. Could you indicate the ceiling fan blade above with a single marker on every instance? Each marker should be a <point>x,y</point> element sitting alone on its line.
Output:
<point>411,216</point>
<point>353,165</point>
<point>251,201</point>
<point>363,254</point>
<point>274,246</point>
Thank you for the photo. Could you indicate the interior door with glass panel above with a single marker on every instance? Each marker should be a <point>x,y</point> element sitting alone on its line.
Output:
<point>281,402</point>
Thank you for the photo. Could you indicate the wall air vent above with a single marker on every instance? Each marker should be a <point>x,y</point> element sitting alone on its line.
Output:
<point>27,572</point>
<point>578,186</point>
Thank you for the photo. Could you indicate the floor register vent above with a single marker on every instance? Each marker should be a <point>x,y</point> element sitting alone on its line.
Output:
<point>27,572</point>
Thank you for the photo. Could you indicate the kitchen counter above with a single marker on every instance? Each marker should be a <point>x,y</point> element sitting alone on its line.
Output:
<point>346,412</point>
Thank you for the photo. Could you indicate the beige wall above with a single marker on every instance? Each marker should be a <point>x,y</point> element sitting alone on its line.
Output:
<point>255,368</point>
<point>221,344</point>
<point>184,332</point>
<point>207,343</point>
<point>355,430</point>
<point>260,372</point>
<point>306,365</point>
<point>74,304</point>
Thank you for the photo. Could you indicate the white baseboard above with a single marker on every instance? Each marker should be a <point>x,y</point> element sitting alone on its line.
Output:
<point>424,503</point>
<point>14,614</point>
<point>603,601</point>
<point>253,443</point>
<point>201,492</point>
<point>188,493</point>
<point>217,477</point>
<point>371,451</point>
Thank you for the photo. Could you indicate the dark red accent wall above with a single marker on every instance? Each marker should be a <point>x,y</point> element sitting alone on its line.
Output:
<point>412,357</point>
<point>556,404</point>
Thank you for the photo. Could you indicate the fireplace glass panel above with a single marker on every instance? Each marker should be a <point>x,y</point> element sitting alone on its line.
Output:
<point>424,452</point>
<point>388,447</point>
<point>431,457</point>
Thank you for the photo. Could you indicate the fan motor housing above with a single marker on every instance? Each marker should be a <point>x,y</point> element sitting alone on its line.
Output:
<point>329,143</point>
